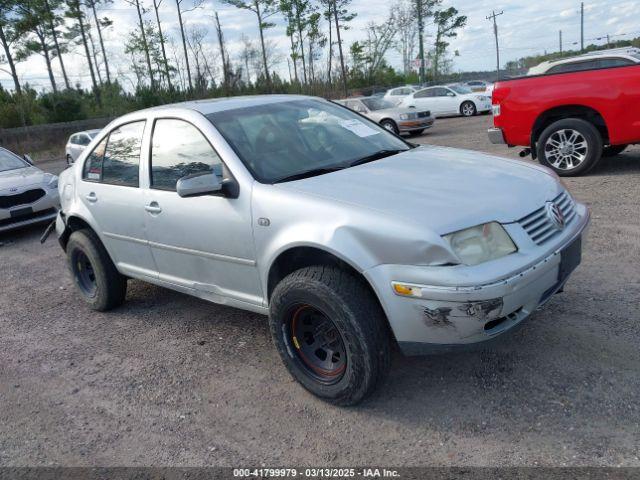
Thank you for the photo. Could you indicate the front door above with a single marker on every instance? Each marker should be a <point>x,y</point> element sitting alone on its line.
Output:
<point>202,243</point>
<point>110,191</point>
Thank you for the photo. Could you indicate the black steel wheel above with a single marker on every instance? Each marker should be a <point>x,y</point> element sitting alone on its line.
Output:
<point>83,273</point>
<point>316,341</point>
<point>330,332</point>
<point>98,281</point>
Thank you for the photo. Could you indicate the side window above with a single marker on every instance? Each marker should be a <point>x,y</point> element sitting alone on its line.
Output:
<point>73,140</point>
<point>396,92</point>
<point>614,62</point>
<point>180,149</point>
<point>441,92</point>
<point>92,171</point>
<point>83,140</point>
<point>121,163</point>
<point>423,94</point>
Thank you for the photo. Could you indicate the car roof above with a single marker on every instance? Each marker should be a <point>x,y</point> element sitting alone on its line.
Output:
<point>215,105</point>
<point>629,53</point>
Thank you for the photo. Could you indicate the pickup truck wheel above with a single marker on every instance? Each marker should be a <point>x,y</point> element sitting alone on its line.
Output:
<point>570,146</point>
<point>330,333</point>
<point>613,150</point>
<point>468,109</point>
<point>389,125</point>
<point>100,284</point>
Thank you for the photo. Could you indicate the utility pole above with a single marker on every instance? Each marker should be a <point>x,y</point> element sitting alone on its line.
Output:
<point>560,38</point>
<point>582,26</point>
<point>608,40</point>
<point>495,32</point>
<point>420,41</point>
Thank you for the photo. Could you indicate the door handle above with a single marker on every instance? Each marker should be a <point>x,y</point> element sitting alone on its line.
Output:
<point>153,207</point>
<point>91,197</point>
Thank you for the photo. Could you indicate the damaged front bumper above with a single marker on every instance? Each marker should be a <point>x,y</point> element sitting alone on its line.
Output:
<point>445,318</point>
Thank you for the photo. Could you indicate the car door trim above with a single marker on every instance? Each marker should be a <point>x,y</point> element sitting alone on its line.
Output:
<point>200,253</point>
<point>188,251</point>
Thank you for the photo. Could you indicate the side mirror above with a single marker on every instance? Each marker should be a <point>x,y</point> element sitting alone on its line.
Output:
<point>27,159</point>
<point>198,184</point>
<point>451,94</point>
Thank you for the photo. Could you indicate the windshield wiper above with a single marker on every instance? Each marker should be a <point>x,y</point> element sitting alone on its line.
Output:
<point>308,173</point>
<point>376,156</point>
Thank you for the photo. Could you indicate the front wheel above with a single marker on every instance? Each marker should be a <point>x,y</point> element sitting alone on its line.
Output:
<point>570,146</point>
<point>330,333</point>
<point>468,109</point>
<point>389,125</point>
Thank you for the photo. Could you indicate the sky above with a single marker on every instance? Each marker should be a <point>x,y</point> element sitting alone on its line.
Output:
<point>526,27</point>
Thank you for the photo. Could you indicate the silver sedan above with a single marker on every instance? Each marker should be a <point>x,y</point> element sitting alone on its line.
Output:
<point>393,118</point>
<point>27,194</point>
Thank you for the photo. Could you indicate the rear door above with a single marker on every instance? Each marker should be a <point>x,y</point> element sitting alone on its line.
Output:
<point>110,191</point>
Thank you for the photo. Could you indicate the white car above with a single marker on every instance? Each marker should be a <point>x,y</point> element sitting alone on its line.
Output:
<point>480,86</point>
<point>448,100</point>
<point>77,143</point>
<point>27,194</point>
<point>397,95</point>
<point>614,57</point>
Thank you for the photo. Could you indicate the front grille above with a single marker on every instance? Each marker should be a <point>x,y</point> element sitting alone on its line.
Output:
<point>539,226</point>
<point>24,198</point>
<point>29,216</point>
<point>424,114</point>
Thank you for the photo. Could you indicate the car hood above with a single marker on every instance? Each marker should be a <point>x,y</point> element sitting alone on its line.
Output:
<point>442,188</point>
<point>20,178</point>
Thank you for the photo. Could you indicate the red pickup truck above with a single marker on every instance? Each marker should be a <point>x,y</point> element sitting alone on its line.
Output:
<point>568,121</point>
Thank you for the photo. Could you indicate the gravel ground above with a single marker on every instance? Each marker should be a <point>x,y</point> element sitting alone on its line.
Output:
<point>171,380</point>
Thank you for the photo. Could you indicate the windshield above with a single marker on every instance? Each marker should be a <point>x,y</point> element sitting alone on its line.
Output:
<point>377,103</point>
<point>92,135</point>
<point>8,161</point>
<point>460,89</point>
<point>281,140</point>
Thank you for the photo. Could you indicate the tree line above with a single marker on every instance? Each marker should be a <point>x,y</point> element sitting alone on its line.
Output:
<point>162,68</point>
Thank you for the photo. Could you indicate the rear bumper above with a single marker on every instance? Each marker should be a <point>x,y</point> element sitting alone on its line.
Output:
<point>496,136</point>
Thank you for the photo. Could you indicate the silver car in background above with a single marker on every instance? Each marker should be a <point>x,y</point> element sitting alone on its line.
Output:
<point>77,143</point>
<point>27,194</point>
<point>395,119</point>
<point>347,236</point>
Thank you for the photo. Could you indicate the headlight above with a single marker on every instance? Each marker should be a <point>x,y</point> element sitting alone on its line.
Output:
<point>481,243</point>
<point>51,181</point>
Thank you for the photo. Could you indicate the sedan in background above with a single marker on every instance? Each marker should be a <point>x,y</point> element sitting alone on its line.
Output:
<point>27,194</point>
<point>448,100</point>
<point>479,86</point>
<point>77,143</point>
<point>396,95</point>
<point>395,119</point>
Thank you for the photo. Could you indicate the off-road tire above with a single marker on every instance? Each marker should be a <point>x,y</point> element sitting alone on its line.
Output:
<point>358,317</point>
<point>390,125</point>
<point>613,150</point>
<point>591,136</point>
<point>111,286</point>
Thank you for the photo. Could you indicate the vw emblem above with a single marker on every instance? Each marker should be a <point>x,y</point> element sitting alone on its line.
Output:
<point>555,216</point>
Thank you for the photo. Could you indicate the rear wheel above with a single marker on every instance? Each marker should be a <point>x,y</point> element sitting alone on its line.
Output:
<point>468,109</point>
<point>331,333</point>
<point>389,125</point>
<point>571,146</point>
<point>613,150</point>
<point>100,284</point>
